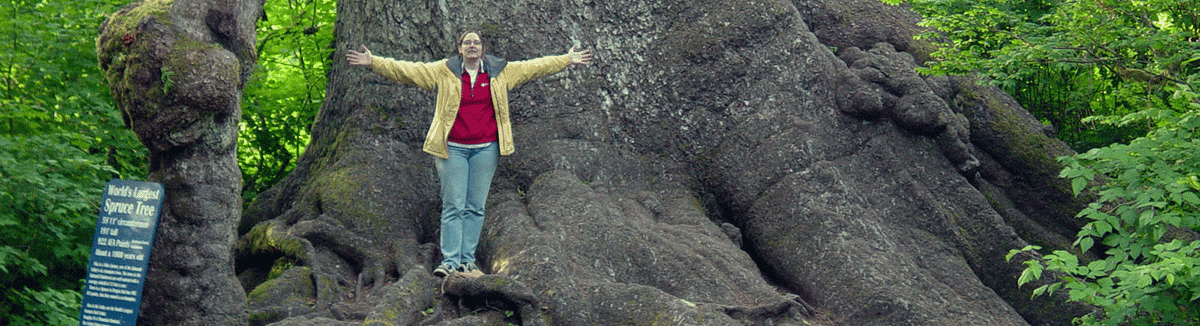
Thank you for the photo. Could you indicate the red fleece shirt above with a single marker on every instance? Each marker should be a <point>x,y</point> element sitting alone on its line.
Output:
<point>476,121</point>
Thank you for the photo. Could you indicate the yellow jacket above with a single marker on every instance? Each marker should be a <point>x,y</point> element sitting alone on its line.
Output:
<point>443,76</point>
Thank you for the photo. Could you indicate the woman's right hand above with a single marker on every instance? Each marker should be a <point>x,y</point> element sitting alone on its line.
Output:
<point>359,58</point>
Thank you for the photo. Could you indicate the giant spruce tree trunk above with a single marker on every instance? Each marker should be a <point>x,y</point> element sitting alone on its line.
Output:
<point>723,162</point>
<point>176,69</point>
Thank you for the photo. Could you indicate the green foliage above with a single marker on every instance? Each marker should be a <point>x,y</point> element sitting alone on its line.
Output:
<point>1148,207</point>
<point>1150,271</point>
<point>60,142</point>
<point>282,99</point>
<point>48,202</point>
<point>1120,78</point>
<point>1068,59</point>
<point>166,80</point>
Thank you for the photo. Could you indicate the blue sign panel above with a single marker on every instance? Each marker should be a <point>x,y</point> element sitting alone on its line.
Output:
<point>120,253</point>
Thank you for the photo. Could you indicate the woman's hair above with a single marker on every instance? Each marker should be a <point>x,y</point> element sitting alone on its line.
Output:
<point>462,36</point>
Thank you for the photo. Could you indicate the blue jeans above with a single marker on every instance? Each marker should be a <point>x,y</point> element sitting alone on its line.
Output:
<point>466,178</point>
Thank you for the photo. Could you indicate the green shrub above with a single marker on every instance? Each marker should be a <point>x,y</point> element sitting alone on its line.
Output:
<point>49,190</point>
<point>1149,273</point>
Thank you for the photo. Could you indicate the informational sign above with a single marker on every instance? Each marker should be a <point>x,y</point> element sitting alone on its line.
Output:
<point>112,293</point>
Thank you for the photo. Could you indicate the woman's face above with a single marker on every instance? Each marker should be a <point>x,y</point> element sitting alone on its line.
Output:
<point>471,46</point>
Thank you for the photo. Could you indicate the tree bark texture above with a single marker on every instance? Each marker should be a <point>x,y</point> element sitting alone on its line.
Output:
<point>722,162</point>
<point>176,70</point>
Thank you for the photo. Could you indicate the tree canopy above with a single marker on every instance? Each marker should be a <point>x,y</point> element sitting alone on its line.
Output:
<point>295,40</point>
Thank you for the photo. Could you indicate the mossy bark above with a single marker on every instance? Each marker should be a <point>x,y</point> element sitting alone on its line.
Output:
<point>176,70</point>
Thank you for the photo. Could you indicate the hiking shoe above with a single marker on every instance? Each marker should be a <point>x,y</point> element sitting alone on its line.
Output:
<point>470,270</point>
<point>443,270</point>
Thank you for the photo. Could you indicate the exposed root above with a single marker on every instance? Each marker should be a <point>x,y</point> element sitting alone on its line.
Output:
<point>498,287</point>
<point>767,311</point>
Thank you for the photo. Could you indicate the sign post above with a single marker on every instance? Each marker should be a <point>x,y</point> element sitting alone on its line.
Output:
<point>112,294</point>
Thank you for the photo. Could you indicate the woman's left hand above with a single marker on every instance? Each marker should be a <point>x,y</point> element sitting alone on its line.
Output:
<point>580,57</point>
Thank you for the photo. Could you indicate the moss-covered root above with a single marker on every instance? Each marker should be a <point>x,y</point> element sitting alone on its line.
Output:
<point>498,287</point>
<point>404,301</point>
<point>294,242</point>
